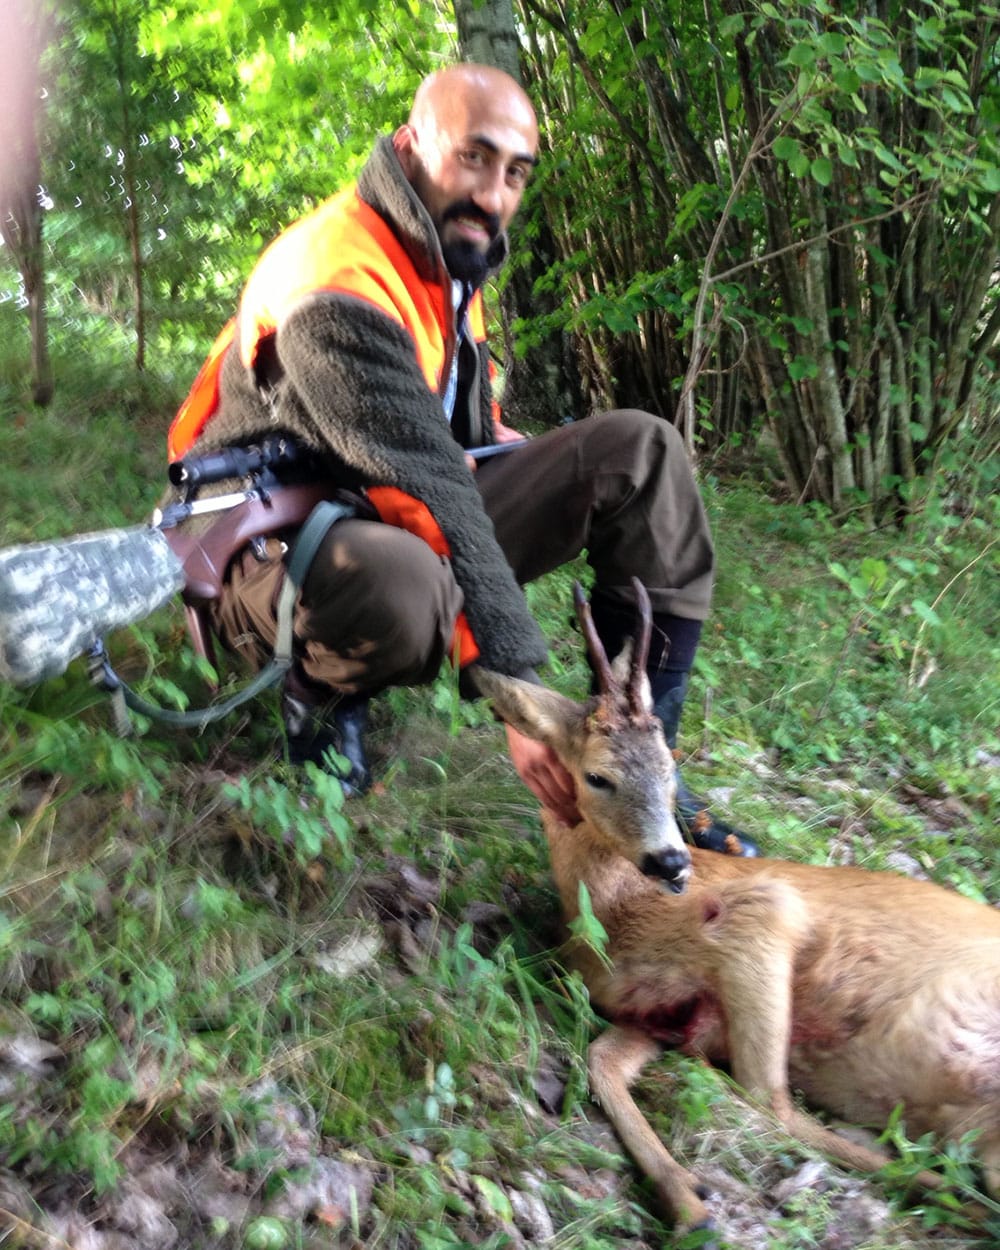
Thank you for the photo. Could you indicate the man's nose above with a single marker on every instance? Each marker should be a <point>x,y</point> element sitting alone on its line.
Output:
<point>490,193</point>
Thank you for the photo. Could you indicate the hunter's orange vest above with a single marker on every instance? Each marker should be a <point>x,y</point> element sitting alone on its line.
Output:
<point>346,247</point>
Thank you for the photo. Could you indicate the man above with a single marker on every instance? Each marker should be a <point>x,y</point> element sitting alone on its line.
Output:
<point>360,335</point>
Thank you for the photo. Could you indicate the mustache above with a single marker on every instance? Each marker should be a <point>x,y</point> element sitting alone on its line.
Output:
<point>466,208</point>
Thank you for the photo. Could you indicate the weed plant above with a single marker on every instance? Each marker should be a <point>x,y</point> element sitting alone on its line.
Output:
<point>209,962</point>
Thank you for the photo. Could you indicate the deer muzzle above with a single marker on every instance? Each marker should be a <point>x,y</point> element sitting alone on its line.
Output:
<point>672,864</point>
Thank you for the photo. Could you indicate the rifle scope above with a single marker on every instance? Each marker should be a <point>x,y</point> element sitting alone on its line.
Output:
<point>216,466</point>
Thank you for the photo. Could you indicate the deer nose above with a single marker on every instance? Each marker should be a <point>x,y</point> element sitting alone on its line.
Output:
<point>672,865</point>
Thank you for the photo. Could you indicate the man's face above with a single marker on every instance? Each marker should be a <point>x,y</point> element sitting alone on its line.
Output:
<point>469,160</point>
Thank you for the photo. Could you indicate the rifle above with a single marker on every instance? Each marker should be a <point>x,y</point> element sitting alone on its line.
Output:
<point>59,599</point>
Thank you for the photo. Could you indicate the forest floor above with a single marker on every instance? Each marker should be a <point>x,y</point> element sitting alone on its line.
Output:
<point>238,1012</point>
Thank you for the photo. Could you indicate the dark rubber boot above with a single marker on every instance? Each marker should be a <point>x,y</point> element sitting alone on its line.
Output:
<point>704,829</point>
<point>332,737</point>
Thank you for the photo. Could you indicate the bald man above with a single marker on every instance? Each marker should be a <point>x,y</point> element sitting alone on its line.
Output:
<point>360,335</point>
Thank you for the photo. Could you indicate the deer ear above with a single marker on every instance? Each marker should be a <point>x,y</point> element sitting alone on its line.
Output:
<point>535,711</point>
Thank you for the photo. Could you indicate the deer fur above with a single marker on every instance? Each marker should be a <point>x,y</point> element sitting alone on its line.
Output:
<point>861,990</point>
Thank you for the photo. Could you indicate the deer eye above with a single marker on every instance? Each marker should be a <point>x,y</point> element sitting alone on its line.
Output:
<point>597,782</point>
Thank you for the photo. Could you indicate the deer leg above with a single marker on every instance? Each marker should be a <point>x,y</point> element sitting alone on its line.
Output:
<point>615,1060</point>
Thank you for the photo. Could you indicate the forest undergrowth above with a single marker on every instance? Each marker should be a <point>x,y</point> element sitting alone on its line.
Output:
<point>236,1010</point>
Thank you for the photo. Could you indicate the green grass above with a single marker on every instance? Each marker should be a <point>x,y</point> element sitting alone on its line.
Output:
<point>214,967</point>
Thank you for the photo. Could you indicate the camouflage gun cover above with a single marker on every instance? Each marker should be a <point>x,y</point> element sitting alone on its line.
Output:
<point>58,599</point>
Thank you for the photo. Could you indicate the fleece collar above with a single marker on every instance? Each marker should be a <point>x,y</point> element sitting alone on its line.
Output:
<point>384,187</point>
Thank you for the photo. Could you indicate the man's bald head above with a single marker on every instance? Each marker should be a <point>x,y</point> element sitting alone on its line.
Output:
<point>468,149</point>
<point>451,94</point>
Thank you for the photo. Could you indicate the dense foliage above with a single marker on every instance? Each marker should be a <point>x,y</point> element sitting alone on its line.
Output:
<point>776,219</point>
<point>797,226</point>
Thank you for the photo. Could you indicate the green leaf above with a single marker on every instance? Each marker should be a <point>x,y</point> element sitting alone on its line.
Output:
<point>785,147</point>
<point>832,44</point>
<point>802,54</point>
<point>822,170</point>
<point>847,155</point>
<point>888,157</point>
<point>846,80</point>
<point>868,73</point>
<point>495,1198</point>
<point>926,612</point>
<point>874,572</point>
<point>957,104</point>
<point>586,925</point>
<point>801,368</point>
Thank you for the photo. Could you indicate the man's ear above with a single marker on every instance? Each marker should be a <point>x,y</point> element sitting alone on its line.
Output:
<point>403,142</point>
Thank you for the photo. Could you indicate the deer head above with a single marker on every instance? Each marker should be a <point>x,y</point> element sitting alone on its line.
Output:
<point>612,745</point>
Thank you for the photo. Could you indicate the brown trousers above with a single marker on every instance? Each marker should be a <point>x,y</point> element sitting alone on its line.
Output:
<point>378,607</point>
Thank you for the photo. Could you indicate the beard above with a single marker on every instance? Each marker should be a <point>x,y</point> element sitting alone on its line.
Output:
<point>465,262</point>
<point>463,259</point>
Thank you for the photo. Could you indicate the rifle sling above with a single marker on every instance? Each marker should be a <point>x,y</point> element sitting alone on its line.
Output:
<point>301,556</point>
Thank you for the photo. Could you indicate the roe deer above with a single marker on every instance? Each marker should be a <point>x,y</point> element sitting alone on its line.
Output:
<point>862,990</point>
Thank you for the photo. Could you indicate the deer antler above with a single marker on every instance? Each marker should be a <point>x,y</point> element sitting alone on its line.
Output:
<point>640,651</point>
<point>595,648</point>
<point>609,687</point>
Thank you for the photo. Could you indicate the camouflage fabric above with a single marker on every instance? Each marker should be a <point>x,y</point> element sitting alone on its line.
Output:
<point>57,599</point>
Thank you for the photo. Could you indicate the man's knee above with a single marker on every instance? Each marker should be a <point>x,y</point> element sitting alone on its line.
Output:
<point>627,432</point>
<point>381,597</point>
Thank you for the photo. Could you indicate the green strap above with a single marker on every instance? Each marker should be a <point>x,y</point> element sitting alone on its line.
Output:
<point>303,552</point>
<point>318,523</point>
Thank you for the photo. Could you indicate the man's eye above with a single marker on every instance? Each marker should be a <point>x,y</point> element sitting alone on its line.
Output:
<point>472,157</point>
<point>517,175</point>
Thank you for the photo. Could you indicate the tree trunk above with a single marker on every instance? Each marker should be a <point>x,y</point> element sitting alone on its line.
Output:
<point>487,34</point>
<point>20,175</point>
<point>539,385</point>
<point>133,230</point>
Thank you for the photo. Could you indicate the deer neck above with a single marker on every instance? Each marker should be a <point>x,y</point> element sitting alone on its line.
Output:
<point>582,853</point>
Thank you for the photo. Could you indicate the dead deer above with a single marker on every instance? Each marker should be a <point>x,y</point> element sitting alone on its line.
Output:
<point>861,990</point>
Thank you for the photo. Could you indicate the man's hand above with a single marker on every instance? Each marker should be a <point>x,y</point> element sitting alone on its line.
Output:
<point>504,434</point>
<point>540,769</point>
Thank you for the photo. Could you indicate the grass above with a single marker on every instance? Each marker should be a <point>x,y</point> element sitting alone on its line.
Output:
<point>235,1011</point>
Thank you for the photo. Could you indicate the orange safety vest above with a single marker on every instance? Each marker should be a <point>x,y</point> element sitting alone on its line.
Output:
<point>342,246</point>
